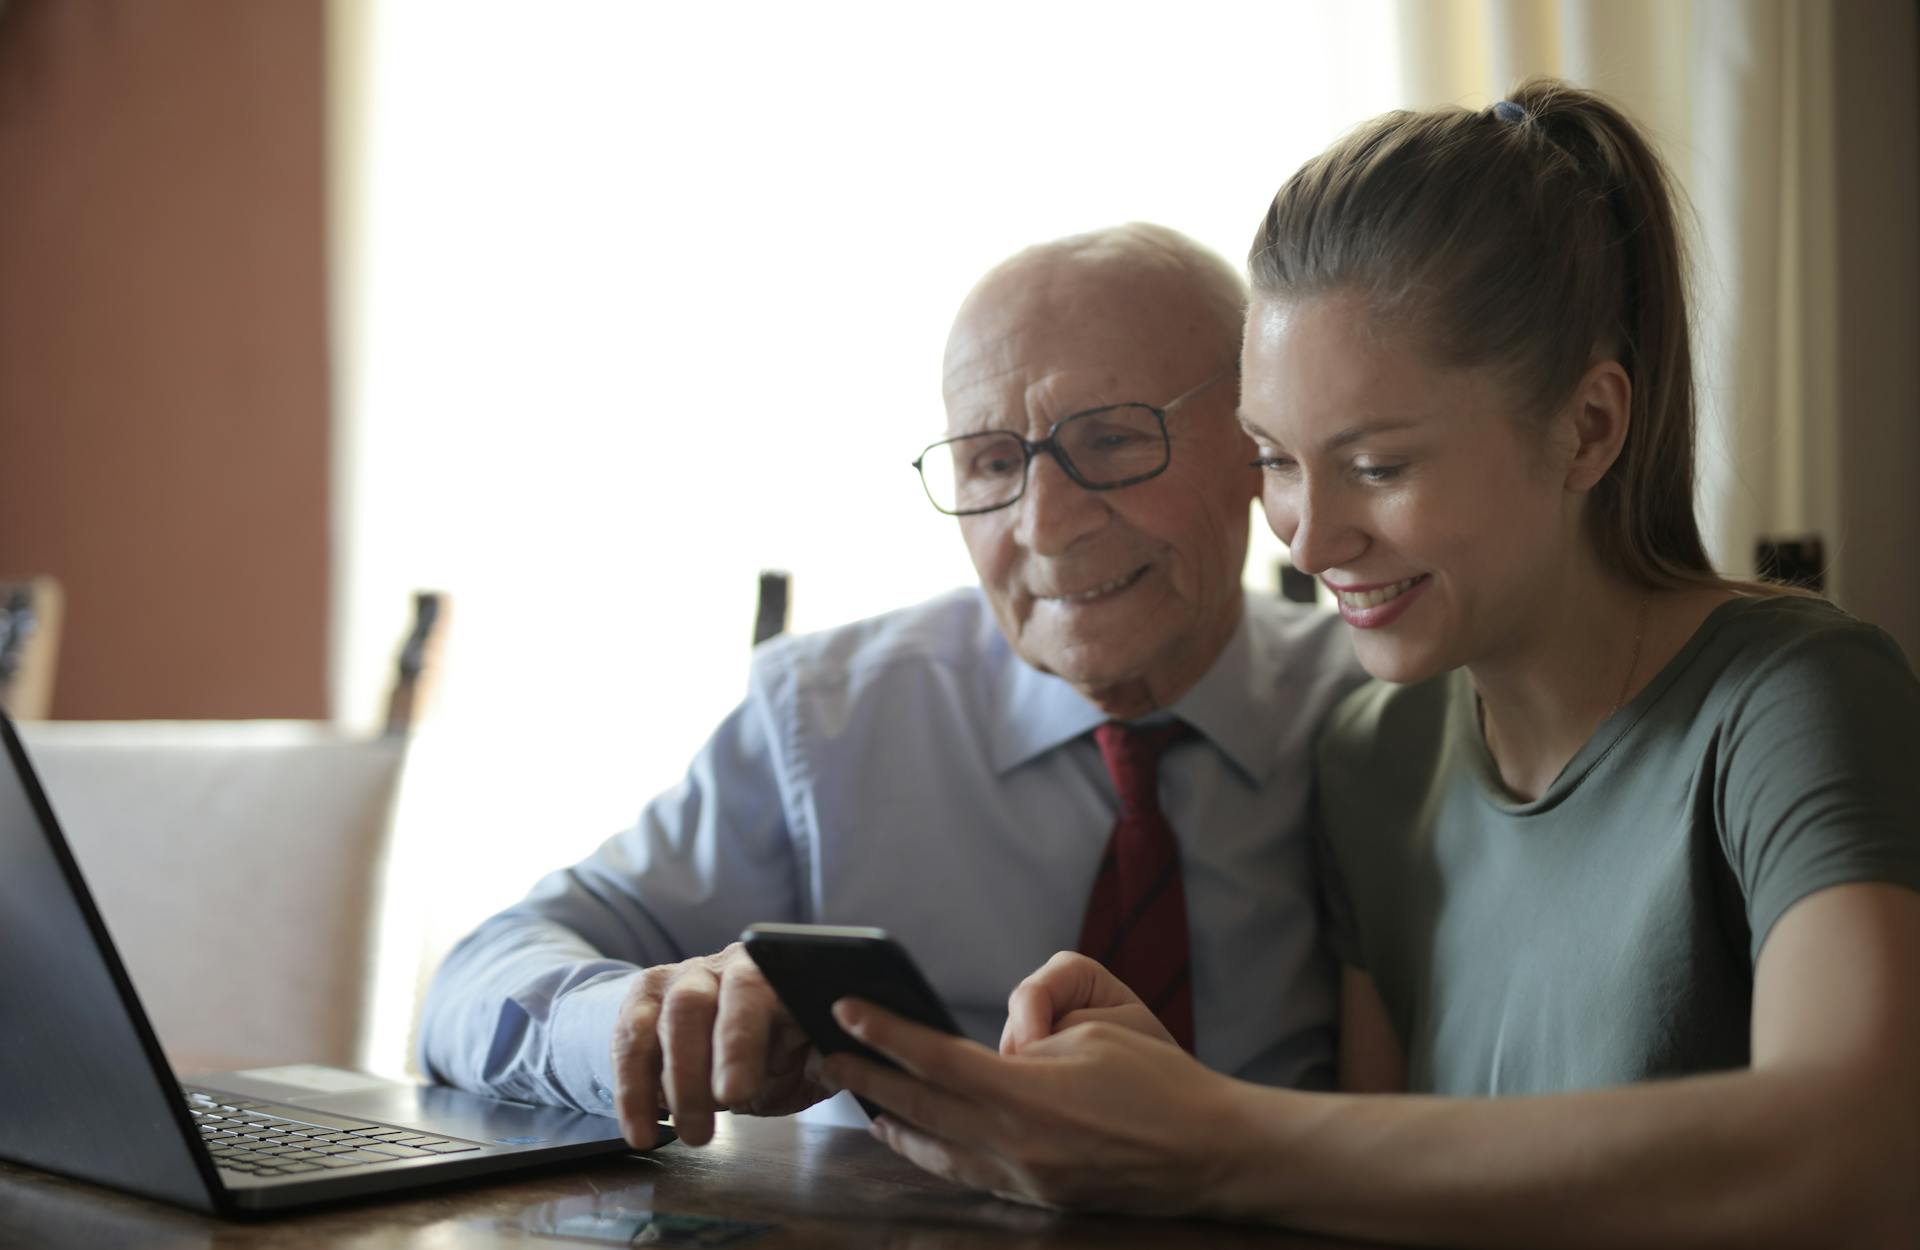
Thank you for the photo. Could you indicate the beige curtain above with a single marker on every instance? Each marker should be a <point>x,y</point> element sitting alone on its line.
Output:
<point>1794,128</point>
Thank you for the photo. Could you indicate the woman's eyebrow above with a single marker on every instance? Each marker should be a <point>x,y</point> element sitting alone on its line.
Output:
<point>1248,425</point>
<point>1352,434</point>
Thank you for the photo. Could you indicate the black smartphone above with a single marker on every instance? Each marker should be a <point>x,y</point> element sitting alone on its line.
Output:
<point>813,966</point>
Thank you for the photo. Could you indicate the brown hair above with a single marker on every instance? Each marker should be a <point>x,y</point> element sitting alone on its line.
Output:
<point>1536,236</point>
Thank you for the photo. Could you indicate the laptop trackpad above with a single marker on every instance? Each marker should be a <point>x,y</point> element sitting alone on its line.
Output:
<point>457,1113</point>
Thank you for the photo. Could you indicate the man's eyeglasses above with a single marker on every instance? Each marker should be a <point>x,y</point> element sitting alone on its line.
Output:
<point>1101,448</point>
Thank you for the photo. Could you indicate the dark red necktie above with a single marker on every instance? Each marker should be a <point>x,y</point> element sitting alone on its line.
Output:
<point>1136,920</point>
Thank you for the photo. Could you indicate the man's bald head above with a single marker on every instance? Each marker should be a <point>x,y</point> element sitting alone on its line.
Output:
<point>1183,296</point>
<point>1128,593</point>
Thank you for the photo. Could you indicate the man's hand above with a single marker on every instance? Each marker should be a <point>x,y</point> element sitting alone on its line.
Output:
<point>1072,989</point>
<point>703,1036</point>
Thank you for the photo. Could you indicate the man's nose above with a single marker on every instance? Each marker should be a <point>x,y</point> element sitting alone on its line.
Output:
<point>1055,511</point>
<point>1321,537</point>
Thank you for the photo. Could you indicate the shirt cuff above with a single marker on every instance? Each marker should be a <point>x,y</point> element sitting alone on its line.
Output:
<point>581,1041</point>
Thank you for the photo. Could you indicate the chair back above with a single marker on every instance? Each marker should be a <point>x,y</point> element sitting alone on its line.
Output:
<point>238,868</point>
<point>416,669</point>
<point>29,645</point>
<point>772,608</point>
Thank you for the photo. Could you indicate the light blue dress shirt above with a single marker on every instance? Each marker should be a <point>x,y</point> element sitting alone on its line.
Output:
<point>910,772</point>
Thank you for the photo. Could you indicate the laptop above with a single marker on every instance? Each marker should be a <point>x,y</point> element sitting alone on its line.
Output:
<point>87,1093</point>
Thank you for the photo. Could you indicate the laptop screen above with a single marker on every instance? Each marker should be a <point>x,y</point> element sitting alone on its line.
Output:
<point>85,1090</point>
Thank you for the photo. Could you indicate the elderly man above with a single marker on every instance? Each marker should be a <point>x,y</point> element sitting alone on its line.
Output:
<point>1104,747</point>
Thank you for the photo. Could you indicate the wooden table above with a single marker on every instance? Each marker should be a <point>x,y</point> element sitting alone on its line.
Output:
<point>818,1186</point>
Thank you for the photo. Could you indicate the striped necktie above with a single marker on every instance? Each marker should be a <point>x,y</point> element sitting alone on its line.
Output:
<point>1136,922</point>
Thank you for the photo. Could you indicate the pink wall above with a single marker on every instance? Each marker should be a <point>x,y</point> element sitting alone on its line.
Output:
<point>164,446</point>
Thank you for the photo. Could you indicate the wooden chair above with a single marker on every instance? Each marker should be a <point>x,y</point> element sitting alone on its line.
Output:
<point>237,865</point>
<point>240,867</point>
<point>30,614</point>
<point>773,609</point>
<point>418,665</point>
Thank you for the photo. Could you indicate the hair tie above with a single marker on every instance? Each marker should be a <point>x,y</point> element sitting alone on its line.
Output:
<point>1509,112</point>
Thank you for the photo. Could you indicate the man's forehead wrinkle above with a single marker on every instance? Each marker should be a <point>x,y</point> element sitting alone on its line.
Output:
<point>974,357</point>
<point>982,372</point>
<point>983,382</point>
<point>1002,308</point>
<point>1008,329</point>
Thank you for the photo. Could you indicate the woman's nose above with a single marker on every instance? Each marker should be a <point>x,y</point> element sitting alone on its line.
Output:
<point>1310,523</point>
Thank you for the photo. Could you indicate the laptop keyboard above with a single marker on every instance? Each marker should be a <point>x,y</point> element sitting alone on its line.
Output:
<point>269,1139</point>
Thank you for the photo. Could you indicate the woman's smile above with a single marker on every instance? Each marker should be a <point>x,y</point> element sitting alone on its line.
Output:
<point>1379,604</point>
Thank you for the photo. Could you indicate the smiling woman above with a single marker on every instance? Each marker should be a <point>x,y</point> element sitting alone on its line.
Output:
<point>1403,485</point>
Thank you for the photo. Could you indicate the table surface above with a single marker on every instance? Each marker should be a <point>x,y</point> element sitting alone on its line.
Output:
<point>816,1185</point>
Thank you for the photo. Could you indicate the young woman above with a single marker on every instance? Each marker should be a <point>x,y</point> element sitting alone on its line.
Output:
<point>1623,858</point>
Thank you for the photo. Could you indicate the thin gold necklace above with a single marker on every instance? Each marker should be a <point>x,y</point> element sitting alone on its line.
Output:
<point>1619,700</point>
<point>1639,635</point>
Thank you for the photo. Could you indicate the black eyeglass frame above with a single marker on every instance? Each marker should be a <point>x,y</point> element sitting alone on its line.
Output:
<point>1051,446</point>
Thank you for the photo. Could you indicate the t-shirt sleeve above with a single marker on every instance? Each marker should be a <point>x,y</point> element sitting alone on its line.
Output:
<point>1338,922</point>
<point>1819,777</point>
<point>1338,757</point>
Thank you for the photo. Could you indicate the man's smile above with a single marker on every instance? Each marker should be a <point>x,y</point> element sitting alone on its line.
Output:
<point>1094,594</point>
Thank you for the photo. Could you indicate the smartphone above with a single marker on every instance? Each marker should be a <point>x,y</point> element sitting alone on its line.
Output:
<point>813,966</point>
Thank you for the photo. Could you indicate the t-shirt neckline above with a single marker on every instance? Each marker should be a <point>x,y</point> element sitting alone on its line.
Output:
<point>1493,790</point>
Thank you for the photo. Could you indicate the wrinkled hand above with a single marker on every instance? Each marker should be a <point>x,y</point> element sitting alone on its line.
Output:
<point>1072,989</point>
<point>703,1036</point>
<point>1098,1115</point>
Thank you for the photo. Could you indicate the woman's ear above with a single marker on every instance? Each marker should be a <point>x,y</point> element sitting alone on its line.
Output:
<point>1600,411</point>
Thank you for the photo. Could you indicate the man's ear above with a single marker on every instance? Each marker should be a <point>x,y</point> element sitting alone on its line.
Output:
<point>1600,411</point>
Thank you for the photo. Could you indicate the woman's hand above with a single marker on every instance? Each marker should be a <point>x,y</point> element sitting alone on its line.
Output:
<point>1096,1115</point>
<point>1072,989</point>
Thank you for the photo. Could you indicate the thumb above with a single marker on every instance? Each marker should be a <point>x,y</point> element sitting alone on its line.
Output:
<point>1067,983</point>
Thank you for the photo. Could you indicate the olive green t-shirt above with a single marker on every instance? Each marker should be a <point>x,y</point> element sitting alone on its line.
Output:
<point>1607,931</point>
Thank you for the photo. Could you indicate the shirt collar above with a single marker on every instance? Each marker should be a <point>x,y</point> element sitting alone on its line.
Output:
<point>1036,712</point>
<point>1232,704</point>
<point>1033,713</point>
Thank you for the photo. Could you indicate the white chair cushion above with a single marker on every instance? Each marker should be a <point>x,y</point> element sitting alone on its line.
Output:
<point>238,868</point>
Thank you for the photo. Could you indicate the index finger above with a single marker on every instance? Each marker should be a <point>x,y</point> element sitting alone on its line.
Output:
<point>686,1049</point>
<point>748,1009</point>
<point>635,1049</point>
